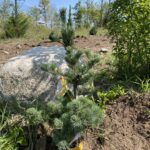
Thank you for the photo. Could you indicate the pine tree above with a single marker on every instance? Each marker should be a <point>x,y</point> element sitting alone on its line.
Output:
<point>62,14</point>
<point>73,119</point>
<point>35,13</point>
<point>80,69</point>
<point>78,14</point>
<point>16,26</point>
<point>69,17</point>
<point>45,10</point>
<point>5,10</point>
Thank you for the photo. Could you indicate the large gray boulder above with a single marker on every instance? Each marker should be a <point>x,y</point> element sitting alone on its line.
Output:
<point>22,78</point>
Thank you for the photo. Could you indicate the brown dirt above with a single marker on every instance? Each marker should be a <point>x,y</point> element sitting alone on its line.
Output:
<point>94,43</point>
<point>9,49</point>
<point>127,125</point>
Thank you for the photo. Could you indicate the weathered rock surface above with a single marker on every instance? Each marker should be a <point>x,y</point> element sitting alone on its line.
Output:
<point>22,78</point>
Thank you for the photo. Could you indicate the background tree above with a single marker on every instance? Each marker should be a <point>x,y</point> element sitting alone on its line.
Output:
<point>5,10</point>
<point>16,26</point>
<point>56,20</point>
<point>102,10</point>
<point>53,15</point>
<point>78,14</point>
<point>69,17</point>
<point>62,14</point>
<point>17,23</point>
<point>129,26</point>
<point>45,10</point>
<point>34,12</point>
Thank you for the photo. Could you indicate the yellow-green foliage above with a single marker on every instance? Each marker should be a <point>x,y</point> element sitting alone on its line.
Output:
<point>37,32</point>
<point>82,31</point>
<point>12,139</point>
<point>102,31</point>
<point>85,31</point>
<point>110,95</point>
<point>144,84</point>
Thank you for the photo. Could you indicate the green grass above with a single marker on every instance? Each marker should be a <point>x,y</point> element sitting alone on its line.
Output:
<point>102,31</point>
<point>38,32</point>
<point>82,32</point>
<point>85,32</point>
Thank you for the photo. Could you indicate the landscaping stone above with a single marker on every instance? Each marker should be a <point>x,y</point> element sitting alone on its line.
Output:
<point>21,78</point>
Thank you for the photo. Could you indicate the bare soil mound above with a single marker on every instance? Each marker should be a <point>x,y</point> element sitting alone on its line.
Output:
<point>127,124</point>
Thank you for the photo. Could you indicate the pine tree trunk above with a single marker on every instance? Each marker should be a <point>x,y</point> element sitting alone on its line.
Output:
<point>75,90</point>
<point>16,8</point>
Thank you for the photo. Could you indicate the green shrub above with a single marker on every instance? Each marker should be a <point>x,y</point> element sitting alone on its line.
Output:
<point>34,116</point>
<point>68,35</point>
<point>80,71</point>
<point>110,95</point>
<point>12,139</point>
<point>16,26</point>
<point>73,118</point>
<point>130,29</point>
<point>143,84</point>
<point>93,31</point>
<point>54,37</point>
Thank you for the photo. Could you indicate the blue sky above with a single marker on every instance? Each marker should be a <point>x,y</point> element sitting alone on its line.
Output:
<point>57,3</point>
<point>26,4</point>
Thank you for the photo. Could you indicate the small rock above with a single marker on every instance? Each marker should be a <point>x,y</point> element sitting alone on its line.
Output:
<point>5,52</point>
<point>18,46</point>
<point>104,50</point>
<point>33,45</point>
<point>39,44</point>
<point>26,44</point>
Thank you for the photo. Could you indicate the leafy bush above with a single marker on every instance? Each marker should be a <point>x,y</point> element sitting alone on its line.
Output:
<point>68,35</point>
<point>12,139</point>
<point>110,95</point>
<point>143,84</point>
<point>73,118</point>
<point>16,26</point>
<point>54,37</point>
<point>129,26</point>
<point>93,31</point>
<point>11,133</point>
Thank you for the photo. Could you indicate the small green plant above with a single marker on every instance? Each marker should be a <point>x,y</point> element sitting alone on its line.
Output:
<point>11,134</point>
<point>12,139</point>
<point>93,31</point>
<point>143,84</point>
<point>54,37</point>
<point>68,35</point>
<point>110,95</point>
<point>73,118</point>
